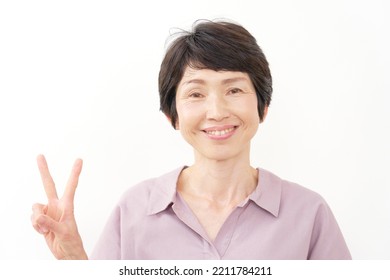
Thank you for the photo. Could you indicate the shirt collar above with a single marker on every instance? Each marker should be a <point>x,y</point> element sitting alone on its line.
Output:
<point>163,191</point>
<point>267,194</point>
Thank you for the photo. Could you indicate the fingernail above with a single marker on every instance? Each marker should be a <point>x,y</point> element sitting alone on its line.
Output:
<point>43,230</point>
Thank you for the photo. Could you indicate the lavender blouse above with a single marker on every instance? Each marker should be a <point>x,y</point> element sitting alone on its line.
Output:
<point>279,220</point>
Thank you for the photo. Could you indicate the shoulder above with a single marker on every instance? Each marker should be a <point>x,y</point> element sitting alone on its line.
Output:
<point>291,188</point>
<point>306,216</point>
<point>292,196</point>
<point>161,188</point>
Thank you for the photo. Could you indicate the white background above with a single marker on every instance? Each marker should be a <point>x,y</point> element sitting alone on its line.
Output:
<point>79,79</point>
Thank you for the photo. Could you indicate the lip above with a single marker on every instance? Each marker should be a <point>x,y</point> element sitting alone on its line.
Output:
<point>220,132</point>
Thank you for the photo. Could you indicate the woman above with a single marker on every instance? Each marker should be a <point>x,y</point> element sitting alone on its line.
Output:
<point>215,87</point>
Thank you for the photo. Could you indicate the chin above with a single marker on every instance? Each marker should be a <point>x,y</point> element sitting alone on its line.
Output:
<point>219,155</point>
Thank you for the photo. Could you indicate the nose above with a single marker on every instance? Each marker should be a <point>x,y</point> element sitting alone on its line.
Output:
<point>217,108</point>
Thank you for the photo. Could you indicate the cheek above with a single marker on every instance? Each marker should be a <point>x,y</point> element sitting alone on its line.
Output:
<point>188,114</point>
<point>248,109</point>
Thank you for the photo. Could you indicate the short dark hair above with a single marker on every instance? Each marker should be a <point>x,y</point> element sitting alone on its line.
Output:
<point>215,45</point>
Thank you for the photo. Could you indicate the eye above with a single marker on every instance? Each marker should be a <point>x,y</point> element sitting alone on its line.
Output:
<point>195,95</point>
<point>234,91</point>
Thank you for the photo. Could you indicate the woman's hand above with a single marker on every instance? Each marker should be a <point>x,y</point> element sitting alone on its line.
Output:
<point>55,220</point>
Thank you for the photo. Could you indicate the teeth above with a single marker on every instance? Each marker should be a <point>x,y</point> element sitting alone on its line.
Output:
<point>220,132</point>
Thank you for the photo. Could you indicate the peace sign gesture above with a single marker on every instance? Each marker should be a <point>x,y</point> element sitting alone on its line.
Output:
<point>55,220</point>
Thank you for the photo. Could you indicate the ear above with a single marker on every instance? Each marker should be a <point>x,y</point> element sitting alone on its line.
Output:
<point>170,121</point>
<point>265,113</point>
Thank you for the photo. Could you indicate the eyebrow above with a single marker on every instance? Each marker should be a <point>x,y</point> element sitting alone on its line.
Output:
<point>232,80</point>
<point>224,82</point>
<point>194,81</point>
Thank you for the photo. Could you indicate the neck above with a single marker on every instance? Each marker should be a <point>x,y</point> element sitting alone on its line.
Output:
<point>224,182</point>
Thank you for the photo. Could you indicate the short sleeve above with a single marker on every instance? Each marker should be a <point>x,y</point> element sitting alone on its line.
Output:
<point>327,241</point>
<point>108,246</point>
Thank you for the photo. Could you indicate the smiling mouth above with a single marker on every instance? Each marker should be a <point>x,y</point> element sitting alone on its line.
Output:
<point>220,132</point>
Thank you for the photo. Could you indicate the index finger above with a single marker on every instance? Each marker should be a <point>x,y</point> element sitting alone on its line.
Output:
<point>47,180</point>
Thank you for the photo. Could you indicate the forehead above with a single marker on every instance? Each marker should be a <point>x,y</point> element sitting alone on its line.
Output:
<point>203,76</point>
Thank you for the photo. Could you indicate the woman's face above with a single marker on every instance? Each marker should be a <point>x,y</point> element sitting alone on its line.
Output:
<point>217,112</point>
